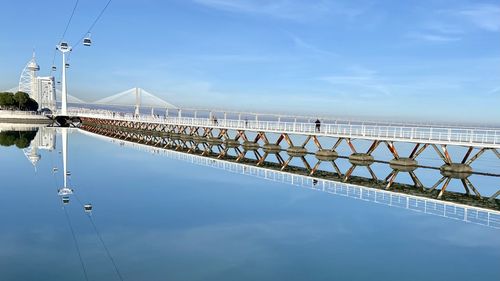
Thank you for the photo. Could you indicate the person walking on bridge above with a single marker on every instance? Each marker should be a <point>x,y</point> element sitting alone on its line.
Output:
<point>318,125</point>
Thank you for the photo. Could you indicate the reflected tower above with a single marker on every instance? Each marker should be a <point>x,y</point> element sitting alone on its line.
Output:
<point>65,191</point>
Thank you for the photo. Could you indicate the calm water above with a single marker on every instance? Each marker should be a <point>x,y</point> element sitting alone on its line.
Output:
<point>164,219</point>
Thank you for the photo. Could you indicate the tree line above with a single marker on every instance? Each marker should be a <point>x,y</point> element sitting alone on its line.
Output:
<point>17,138</point>
<point>17,101</point>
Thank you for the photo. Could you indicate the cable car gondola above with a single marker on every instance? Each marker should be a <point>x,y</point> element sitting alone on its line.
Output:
<point>54,68</point>
<point>63,46</point>
<point>67,65</point>
<point>65,200</point>
<point>87,41</point>
<point>87,208</point>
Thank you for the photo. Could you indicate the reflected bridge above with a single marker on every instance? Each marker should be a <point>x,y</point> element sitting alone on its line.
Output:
<point>456,205</point>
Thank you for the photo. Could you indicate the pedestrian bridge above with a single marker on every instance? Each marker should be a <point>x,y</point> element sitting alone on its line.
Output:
<point>264,137</point>
<point>414,133</point>
<point>257,132</point>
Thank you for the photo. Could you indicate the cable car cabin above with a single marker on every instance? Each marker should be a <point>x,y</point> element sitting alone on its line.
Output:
<point>87,41</point>
<point>54,68</point>
<point>68,173</point>
<point>65,200</point>
<point>55,169</point>
<point>67,65</point>
<point>87,208</point>
<point>63,46</point>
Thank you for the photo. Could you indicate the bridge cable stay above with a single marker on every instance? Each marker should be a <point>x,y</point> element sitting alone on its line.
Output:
<point>135,97</point>
<point>111,99</point>
<point>71,98</point>
<point>154,100</point>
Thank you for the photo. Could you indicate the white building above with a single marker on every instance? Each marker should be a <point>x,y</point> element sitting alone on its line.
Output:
<point>45,139</point>
<point>41,89</point>
<point>45,92</point>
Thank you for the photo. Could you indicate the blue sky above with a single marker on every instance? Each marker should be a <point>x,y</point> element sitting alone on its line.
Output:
<point>428,60</point>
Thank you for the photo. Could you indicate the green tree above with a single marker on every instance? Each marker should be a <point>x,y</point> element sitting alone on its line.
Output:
<point>22,99</point>
<point>19,100</point>
<point>17,138</point>
<point>31,105</point>
<point>7,100</point>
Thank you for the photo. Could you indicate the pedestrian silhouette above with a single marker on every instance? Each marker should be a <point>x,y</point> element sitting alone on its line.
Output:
<point>318,125</point>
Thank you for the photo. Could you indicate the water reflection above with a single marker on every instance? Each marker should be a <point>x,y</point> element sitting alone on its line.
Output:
<point>21,139</point>
<point>469,209</point>
<point>151,225</point>
<point>336,182</point>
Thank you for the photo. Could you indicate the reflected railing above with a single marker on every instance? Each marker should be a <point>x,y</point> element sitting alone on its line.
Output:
<point>455,205</point>
<point>460,206</point>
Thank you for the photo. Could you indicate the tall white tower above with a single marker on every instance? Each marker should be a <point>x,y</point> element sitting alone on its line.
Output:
<point>64,48</point>
<point>27,81</point>
<point>41,89</point>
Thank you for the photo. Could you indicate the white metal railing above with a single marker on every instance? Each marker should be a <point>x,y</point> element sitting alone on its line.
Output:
<point>242,115</point>
<point>477,137</point>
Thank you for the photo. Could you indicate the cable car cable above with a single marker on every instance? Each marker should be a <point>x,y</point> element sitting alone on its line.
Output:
<point>63,34</point>
<point>69,21</point>
<point>53,172</point>
<point>102,240</point>
<point>76,244</point>
<point>105,247</point>
<point>93,24</point>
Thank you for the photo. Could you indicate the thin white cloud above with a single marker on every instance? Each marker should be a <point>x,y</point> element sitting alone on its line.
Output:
<point>359,81</point>
<point>443,28</point>
<point>484,16</point>
<point>300,43</point>
<point>433,37</point>
<point>494,91</point>
<point>235,58</point>
<point>454,24</point>
<point>287,9</point>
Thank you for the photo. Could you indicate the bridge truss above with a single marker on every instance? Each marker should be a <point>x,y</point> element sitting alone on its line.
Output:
<point>223,143</point>
<point>177,147</point>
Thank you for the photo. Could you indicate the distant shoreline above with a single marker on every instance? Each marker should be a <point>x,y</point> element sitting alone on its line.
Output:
<point>23,117</point>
